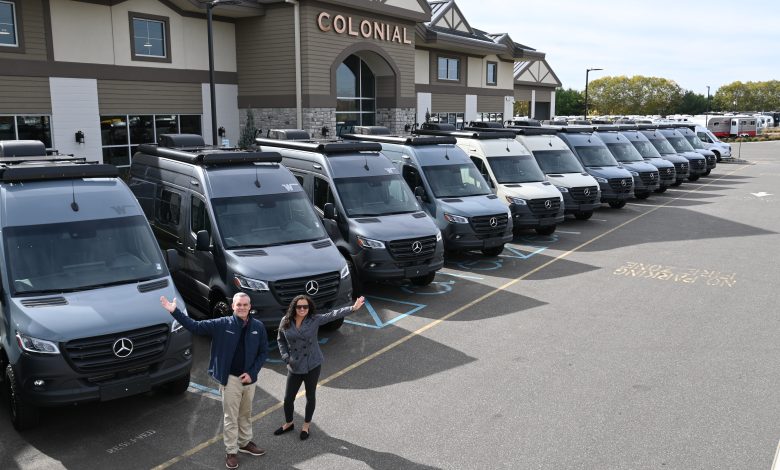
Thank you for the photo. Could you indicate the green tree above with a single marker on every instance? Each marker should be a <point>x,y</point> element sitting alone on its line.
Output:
<point>749,96</point>
<point>692,103</point>
<point>521,108</point>
<point>247,138</point>
<point>569,102</point>
<point>633,95</point>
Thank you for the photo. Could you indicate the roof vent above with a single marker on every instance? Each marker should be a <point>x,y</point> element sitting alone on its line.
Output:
<point>22,148</point>
<point>288,134</point>
<point>434,126</point>
<point>177,141</point>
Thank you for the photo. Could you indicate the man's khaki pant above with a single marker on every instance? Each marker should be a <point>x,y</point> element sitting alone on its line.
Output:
<point>237,409</point>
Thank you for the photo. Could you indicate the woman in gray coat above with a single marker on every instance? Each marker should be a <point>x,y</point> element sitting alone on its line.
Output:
<point>300,350</point>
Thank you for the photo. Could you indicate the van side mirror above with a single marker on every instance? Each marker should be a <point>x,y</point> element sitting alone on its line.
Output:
<point>329,211</point>
<point>202,241</point>
<point>419,193</point>
<point>172,260</point>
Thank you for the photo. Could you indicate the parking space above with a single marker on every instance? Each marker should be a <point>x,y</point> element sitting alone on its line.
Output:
<point>642,338</point>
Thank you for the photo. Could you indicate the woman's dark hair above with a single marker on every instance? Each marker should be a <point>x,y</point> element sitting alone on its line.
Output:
<point>290,314</point>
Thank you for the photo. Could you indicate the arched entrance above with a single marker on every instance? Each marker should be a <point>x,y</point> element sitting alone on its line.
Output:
<point>355,94</point>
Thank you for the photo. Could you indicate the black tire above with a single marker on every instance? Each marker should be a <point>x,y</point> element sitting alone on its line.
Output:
<point>693,177</point>
<point>334,325</point>
<point>220,308</point>
<point>661,189</point>
<point>423,281</point>
<point>583,215</point>
<point>178,386</point>
<point>357,283</point>
<point>677,183</point>
<point>23,415</point>
<point>495,251</point>
<point>717,156</point>
<point>707,173</point>
<point>617,204</point>
<point>642,195</point>
<point>548,230</point>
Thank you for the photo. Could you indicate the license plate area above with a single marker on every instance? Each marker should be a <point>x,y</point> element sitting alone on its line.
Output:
<point>125,389</point>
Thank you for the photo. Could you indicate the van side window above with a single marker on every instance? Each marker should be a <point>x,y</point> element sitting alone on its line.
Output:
<point>704,137</point>
<point>322,193</point>
<point>481,167</point>
<point>300,179</point>
<point>412,176</point>
<point>199,218</point>
<point>169,209</point>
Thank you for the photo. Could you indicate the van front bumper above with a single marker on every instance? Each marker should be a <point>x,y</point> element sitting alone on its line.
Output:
<point>573,206</point>
<point>64,386</point>
<point>378,264</point>
<point>524,218</point>
<point>463,237</point>
<point>608,194</point>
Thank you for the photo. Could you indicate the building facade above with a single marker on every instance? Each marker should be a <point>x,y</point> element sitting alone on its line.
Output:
<point>98,77</point>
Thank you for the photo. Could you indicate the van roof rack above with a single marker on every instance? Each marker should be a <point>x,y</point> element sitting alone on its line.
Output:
<point>210,157</point>
<point>329,147</point>
<point>520,130</point>
<point>21,148</point>
<point>181,141</point>
<point>606,127</point>
<point>482,134</point>
<point>413,140</point>
<point>371,130</point>
<point>27,160</point>
<point>575,129</point>
<point>287,134</point>
<point>525,122</point>
<point>485,125</point>
<point>437,126</point>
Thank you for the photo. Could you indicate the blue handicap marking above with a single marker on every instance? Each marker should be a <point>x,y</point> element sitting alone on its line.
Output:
<point>538,240</point>
<point>482,264</point>
<point>378,323</point>
<point>515,253</point>
<point>460,275</point>
<point>443,287</point>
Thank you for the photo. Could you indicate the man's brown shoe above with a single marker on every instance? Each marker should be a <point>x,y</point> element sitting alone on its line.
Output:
<point>252,449</point>
<point>231,460</point>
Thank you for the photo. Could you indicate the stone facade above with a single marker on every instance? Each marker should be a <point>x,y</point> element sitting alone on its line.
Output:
<point>314,119</point>
<point>269,118</point>
<point>396,119</point>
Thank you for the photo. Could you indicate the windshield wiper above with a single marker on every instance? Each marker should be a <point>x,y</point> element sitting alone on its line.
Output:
<point>399,212</point>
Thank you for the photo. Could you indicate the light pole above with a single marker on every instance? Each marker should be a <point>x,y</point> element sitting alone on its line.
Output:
<point>212,87</point>
<point>587,71</point>
<point>707,115</point>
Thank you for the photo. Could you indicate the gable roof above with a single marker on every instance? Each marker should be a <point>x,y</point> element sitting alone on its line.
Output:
<point>536,72</point>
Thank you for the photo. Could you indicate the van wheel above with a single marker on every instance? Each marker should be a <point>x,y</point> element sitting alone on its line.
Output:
<point>693,177</point>
<point>717,156</point>
<point>549,230</point>
<point>23,416</point>
<point>495,251</point>
<point>583,215</point>
<point>357,283</point>
<point>661,189</point>
<point>617,204</point>
<point>423,281</point>
<point>334,325</point>
<point>642,195</point>
<point>707,173</point>
<point>178,386</point>
<point>220,308</point>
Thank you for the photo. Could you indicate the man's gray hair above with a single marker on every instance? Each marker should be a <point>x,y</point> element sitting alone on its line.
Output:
<point>238,296</point>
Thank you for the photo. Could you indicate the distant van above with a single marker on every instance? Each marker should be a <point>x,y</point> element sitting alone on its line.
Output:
<point>699,147</point>
<point>81,281</point>
<point>667,174</point>
<point>646,177</point>
<point>450,189</point>
<point>682,166</point>
<point>711,142</point>
<point>697,161</point>
<point>242,223</point>
<point>367,209</point>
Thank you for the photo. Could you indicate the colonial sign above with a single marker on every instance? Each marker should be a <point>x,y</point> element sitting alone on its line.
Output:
<point>367,29</point>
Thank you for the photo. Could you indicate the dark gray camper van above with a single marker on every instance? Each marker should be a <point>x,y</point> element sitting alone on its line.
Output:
<point>81,281</point>
<point>451,190</point>
<point>241,222</point>
<point>367,208</point>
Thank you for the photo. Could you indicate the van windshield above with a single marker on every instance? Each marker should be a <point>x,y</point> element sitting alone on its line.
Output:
<point>557,161</point>
<point>87,254</point>
<point>592,155</point>
<point>680,144</point>
<point>663,146</point>
<point>625,152</point>
<point>516,169</point>
<point>365,196</point>
<point>456,180</point>
<point>646,149</point>
<point>266,220</point>
<point>695,142</point>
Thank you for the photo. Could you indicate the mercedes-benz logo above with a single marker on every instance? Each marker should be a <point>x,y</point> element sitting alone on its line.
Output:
<point>493,222</point>
<point>312,287</point>
<point>586,192</point>
<point>652,176</point>
<point>416,247</point>
<point>622,182</point>
<point>123,347</point>
<point>668,171</point>
<point>548,204</point>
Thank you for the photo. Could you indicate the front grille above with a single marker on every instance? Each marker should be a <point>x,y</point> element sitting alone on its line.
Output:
<point>700,165</point>
<point>621,185</point>
<point>711,160</point>
<point>327,286</point>
<point>539,207</point>
<point>584,194</point>
<point>649,178</point>
<point>681,169</point>
<point>96,354</point>
<point>404,249</point>
<point>487,224</point>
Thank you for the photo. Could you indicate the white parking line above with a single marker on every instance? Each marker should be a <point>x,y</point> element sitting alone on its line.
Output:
<point>569,233</point>
<point>775,461</point>
<point>599,220</point>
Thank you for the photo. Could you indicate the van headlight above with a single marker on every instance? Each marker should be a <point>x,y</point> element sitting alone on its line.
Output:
<point>36,345</point>
<point>249,283</point>
<point>370,243</point>
<point>601,180</point>
<point>438,235</point>
<point>562,189</point>
<point>344,271</point>
<point>455,219</point>
<point>516,200</point>
<point>634,173</point>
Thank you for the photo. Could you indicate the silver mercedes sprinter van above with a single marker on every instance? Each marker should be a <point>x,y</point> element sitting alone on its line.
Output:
<point>366,207</point>
<point>450,189</point>
<point>81,281</point>
<point>242,223</point>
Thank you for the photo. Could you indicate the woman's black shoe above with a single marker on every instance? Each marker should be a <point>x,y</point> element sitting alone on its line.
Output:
<point>282,430</point>
<point>304,435</point>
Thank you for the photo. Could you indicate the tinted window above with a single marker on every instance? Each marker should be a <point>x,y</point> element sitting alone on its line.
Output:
<point>199,216</point>
<point>694,141</point>
<point>557,161</point>
<point>169,210</point>
<point>375,195</point>
<point>679,143</point>
<point>455,180</point>
<point>625,152</point>
<point>591,155</point>
<point>322,194</point>
<point>646,149</point>
<point>663,146</point>
<point>515,169</point>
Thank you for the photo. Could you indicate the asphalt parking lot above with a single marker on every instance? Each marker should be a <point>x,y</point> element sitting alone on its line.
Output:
<point>645,337</point>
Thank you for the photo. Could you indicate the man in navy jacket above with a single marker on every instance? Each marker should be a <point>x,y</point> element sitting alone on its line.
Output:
<point>239,347</point>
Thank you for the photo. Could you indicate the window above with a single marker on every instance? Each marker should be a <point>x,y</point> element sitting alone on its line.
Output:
<point>449,68</point>
<point>8,35</point>
<point>169,208</point>
<point>150,38</point>
<point>121,134</point>
<point>448,118</point>
<point>322,194</point>
<point>490,117</point>
<point>356,95</point>
<point>26,128</point>
<point>412,177</point>
<point>492,73</point>
<point>199,217</point>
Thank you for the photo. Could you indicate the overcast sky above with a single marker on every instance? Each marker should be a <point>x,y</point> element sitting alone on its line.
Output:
<point>693,42</point>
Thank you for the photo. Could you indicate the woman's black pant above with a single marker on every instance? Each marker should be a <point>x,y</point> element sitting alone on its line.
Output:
<point>294,381</point>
